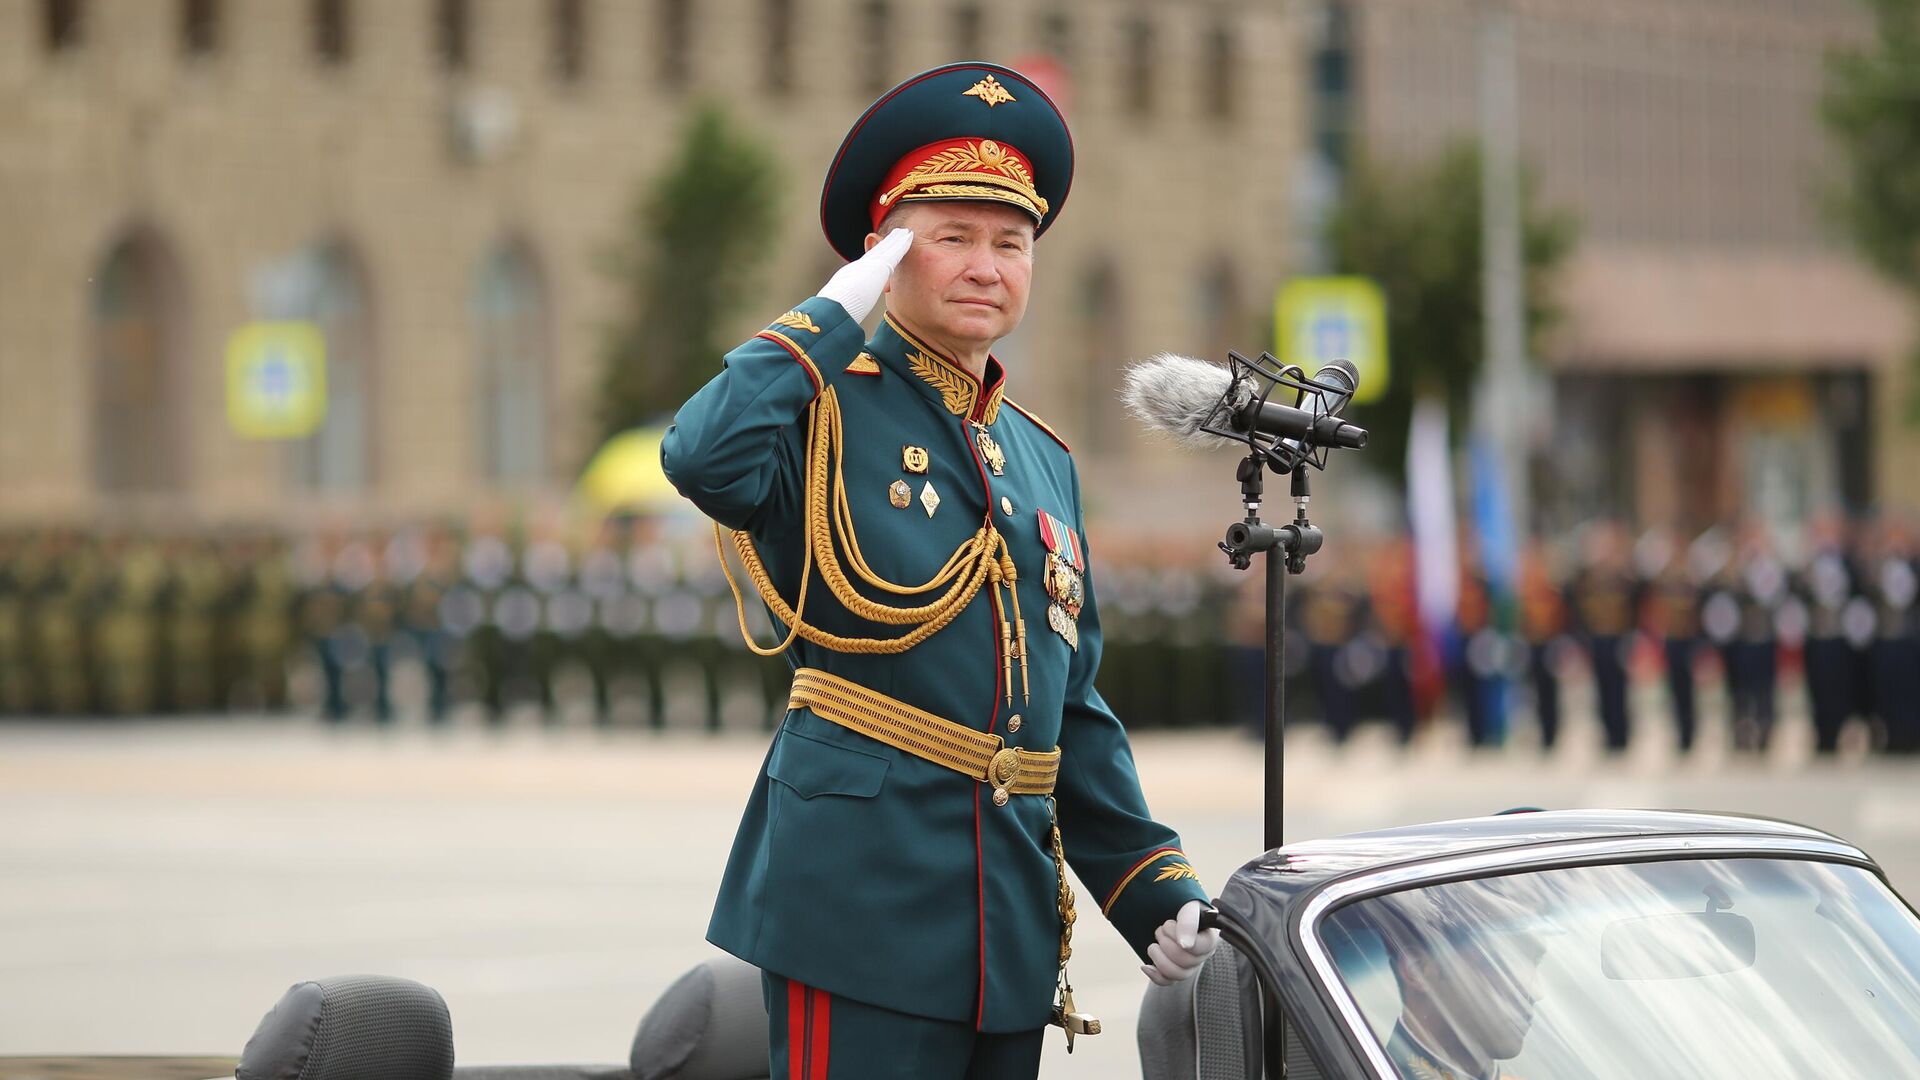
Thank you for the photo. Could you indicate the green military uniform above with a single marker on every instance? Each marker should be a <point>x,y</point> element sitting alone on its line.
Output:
<point>862,870</point>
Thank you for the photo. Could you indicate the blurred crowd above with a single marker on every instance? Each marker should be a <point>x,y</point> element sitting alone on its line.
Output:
<point>1659,623</point>
<point>375,623</point>
<point>632,624</point>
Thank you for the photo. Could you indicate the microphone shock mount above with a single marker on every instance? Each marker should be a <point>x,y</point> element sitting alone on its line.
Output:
<point>1286,546</point>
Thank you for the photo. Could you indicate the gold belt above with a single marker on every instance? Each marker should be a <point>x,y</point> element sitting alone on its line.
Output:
<point>984,757</point>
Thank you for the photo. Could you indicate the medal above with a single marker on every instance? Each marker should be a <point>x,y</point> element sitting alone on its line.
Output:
<point>995,457</point>
<point>1064,625</point>
<point>1064,578</point>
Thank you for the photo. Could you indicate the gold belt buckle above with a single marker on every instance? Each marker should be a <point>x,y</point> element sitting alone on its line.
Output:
<point>1001,772</point>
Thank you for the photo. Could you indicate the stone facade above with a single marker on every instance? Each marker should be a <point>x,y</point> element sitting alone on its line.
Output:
<point>209,158</point>
<point>1721,342</point>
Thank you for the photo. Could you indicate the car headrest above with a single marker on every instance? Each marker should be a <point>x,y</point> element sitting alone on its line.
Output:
<point>711,1024</point>
<point>352,1027</point>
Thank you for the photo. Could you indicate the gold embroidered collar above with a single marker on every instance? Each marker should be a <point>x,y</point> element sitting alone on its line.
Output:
<point>939,375</point>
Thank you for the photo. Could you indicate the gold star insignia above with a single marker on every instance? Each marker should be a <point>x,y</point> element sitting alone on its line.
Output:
<point>990,91</point>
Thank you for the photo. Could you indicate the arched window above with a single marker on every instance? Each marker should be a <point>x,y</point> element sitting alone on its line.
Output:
<point>331,292</point>
<point>137,345</point>
<point>1103,337</point>
<point>453,33</point>
<point>876,45</point>
<point>1221,317</point>
<point>61,23</point>
<point>777,23</point>
<point>509,313</point>
<point>332,30</point>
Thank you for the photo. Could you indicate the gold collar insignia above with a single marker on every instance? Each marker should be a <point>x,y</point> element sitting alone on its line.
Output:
<point>959,390</point>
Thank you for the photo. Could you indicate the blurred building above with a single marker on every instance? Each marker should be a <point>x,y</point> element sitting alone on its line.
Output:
<point>1725,355</point>
<point>433,181</point>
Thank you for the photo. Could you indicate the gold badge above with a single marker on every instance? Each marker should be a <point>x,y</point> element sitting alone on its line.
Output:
<point>990,91</point>
<point>913,459</point>
<point>990,450</point>
<point>864,364</point>
<point>900,494</point>
<point>929,498</point>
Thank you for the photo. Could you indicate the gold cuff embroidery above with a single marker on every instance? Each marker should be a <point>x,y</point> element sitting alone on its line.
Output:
<point>798,320</point>
<point>1114,896</point>
<point>1176,871</point>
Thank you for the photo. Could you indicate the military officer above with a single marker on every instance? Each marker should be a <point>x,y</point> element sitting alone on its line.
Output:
<point>1333,614</point>
<point>1827,586</point>
<point>1896,644</point>
<point>1752,669</point>
<point>1396,620</point>
<point>1543,625</point>
<point>900,872</point>
<point>1673,617</point>
<point>1476,661</point>
<point>1605,599</point>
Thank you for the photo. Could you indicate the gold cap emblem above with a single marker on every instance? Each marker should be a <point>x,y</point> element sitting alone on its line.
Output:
<point>990,91</point>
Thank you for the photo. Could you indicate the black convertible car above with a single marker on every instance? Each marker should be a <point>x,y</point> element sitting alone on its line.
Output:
<point>1572,945</point>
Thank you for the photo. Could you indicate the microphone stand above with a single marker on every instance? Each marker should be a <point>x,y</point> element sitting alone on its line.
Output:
<point>1286,549</point>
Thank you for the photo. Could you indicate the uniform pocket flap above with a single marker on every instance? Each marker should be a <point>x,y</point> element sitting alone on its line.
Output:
<point>813,767</point>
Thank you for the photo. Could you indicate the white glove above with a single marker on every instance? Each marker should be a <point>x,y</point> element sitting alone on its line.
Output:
<point>1180,947</point>
<point>857,286</point>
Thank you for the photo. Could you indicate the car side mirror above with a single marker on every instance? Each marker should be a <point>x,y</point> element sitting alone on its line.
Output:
<point>1683,945</point>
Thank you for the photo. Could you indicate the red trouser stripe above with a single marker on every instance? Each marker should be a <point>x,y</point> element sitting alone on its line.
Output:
<point>818,1038</point>
<point>796,1028</point>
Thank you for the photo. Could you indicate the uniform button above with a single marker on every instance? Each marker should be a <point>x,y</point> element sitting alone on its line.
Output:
<point>1013,722</point>
<point>1006,506</point>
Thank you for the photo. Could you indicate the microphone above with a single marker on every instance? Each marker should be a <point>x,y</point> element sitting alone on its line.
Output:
<point>1181,397</point>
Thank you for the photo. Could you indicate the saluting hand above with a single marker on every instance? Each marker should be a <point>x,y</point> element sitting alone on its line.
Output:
<point>1180,947</point>
<point>857,286</point>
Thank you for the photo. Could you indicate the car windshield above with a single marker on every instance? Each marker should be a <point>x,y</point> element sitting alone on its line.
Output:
<point>1701,968</point>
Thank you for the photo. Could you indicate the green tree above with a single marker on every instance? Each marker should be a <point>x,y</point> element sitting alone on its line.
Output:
<point>694,244</point>
<point>1414,228</point>
<point>1872,109</point>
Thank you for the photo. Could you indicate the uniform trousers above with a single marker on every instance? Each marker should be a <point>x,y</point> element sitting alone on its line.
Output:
<point>1751,674</point>
<point>1830,671</point>
<point>1610,683</point>
<point>1680,689</point>
<point>1546,693</point>
<point>815,1035</point>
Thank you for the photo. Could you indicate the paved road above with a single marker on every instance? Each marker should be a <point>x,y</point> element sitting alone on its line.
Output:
<point>162,884</point>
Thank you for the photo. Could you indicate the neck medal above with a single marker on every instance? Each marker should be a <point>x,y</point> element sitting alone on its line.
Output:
<point>996,458</point>
<point>1065,577</point>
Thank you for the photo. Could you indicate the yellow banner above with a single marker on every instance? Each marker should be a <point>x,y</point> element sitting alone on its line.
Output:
<point>276,380</point>
<point>1321,319</point>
